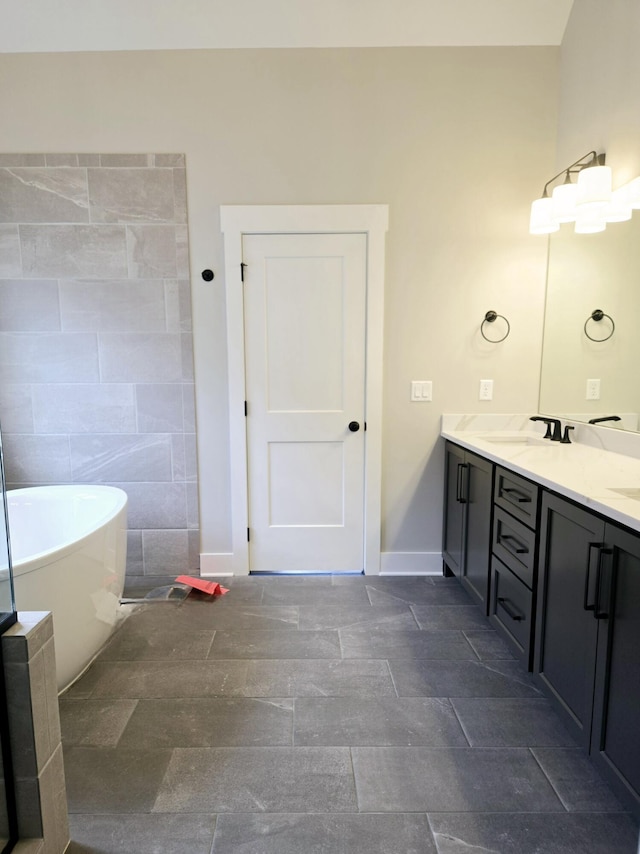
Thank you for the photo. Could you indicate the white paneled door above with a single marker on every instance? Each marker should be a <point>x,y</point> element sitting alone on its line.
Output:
<point>305,323</point>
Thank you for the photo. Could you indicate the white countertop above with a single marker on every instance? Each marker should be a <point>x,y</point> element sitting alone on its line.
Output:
<point>588,474</point>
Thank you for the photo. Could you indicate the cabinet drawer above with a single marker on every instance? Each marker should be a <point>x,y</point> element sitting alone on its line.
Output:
<point>517,496</point>
<point>510,609</point>
<point>515,545</point>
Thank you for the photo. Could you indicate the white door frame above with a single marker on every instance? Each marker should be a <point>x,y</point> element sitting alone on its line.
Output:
<point>237,220</point>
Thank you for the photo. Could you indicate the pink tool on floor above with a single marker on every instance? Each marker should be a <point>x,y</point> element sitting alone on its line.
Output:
<point>211,587</point>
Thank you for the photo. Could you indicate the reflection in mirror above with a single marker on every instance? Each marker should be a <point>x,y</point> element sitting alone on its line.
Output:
<point>589,272</point>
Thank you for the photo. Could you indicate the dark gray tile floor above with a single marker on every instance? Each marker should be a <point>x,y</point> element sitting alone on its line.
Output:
<point>324,715</point>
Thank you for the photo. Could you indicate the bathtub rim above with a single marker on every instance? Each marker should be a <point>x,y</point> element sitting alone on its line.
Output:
<point>37,560</point>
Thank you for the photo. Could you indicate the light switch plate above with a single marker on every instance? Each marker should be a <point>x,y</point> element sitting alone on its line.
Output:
<point>421,391</point>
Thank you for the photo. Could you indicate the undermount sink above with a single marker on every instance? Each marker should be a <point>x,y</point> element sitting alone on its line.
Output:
<point>518,439</point>
<point>628,492</point>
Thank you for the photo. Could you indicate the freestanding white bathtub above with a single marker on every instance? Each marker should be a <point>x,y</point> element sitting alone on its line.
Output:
<point>69,549</point>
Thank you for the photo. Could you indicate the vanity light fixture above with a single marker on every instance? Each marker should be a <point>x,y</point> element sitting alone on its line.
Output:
<point>589,202</point>
<point>563,200</point>
<point>547,213</point>
<point>633,193</point>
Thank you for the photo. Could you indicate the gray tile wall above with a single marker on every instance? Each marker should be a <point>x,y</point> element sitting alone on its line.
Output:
<point>96,357</point>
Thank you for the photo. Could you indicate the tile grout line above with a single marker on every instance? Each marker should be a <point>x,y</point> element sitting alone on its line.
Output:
<point>393,681</point>
<point>209,648</point>
<point>342,655</point>
<point>462,726</point>
<point>413,614</point>
<point>355,782</point>
<point>473,649</point>
<point>549,780</point>
<point>215,833</point>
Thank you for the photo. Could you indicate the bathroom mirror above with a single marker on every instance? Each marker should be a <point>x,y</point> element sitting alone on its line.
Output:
<point>588,272</point>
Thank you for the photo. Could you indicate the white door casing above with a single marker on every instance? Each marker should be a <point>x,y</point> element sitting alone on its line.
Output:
<point>236,222</point>
<point>305,312</point>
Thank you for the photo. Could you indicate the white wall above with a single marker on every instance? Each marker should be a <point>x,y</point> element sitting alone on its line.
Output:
<point>600,85</point>
<point>453,139</point>
<point>70,25</point>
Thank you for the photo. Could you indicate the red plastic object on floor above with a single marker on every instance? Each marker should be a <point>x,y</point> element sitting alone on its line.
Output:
<point>211,587</point>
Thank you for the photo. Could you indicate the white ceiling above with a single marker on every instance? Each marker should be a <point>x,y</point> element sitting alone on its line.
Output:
<point>90,25</point>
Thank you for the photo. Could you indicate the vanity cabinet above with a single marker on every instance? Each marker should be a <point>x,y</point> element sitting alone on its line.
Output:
<point>564,591</point>
<point>615,741</point>
<point>513,563</point>
<point>587,651</point>
<point>467,521</point>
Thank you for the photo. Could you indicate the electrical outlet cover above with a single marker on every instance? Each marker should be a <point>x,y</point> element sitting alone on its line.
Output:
<point>593,390</point>
<point>486,390</point>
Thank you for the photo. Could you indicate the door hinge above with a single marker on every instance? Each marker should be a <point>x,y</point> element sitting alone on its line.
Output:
<point>365,425</point>
<point>242,266</point>
<point>248,535</point>
<point>245,409</point>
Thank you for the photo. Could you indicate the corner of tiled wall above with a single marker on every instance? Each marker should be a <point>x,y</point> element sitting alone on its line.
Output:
<point>34,731</point>
<point>96,355</point>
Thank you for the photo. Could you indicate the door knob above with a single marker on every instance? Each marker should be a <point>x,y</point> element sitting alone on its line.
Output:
<point>354,426</point>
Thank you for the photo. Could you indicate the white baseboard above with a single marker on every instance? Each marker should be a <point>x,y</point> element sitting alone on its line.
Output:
<point>218,564</point>
<point>411,563</point>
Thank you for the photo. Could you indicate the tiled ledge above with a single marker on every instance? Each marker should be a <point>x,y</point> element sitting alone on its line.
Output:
<point>29,846</point>
<point>34,729</point>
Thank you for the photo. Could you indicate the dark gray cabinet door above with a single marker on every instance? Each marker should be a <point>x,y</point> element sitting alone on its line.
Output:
<point>479,490</point>
<point>615,744</point>
<point>454,513</point>
<point>467,520</point>
<point>566,630</point>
